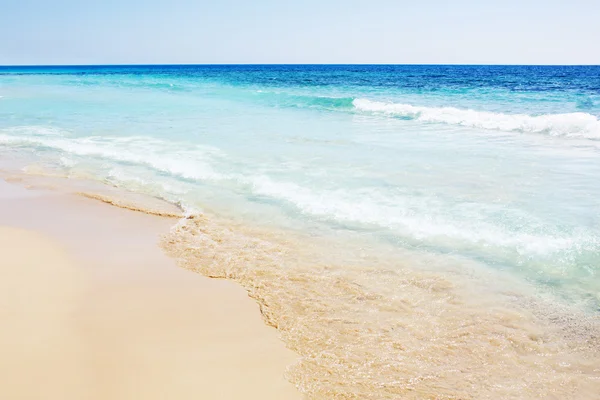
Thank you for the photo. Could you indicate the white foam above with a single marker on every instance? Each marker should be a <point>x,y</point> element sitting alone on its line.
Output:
<point>171,158</point>
<point>122,176</point>
<point>577,124</point>
<point>67,162</point>
<point>418,218</point>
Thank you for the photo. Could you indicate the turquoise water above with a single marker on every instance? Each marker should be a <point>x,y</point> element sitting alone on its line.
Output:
<point>494,166</point>
<point>499,164</point>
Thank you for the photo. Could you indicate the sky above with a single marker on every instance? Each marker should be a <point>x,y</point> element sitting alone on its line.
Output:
<point>53,32</point>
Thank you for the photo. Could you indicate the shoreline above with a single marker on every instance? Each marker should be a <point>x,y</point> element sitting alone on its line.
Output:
<point>423,335</point>
<point>121,319</point>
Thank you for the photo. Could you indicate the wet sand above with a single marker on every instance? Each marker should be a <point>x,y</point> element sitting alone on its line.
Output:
<point>91,308</point>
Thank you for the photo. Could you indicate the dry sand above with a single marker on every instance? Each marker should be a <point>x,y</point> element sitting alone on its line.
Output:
<point>90,308</point>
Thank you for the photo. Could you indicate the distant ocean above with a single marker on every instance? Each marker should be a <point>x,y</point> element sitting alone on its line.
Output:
<point>413,231</point>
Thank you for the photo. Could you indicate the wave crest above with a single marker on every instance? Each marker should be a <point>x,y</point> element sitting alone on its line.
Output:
<point>577,124</point>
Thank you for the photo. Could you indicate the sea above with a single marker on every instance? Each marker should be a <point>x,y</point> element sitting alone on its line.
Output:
<point>412,231</point>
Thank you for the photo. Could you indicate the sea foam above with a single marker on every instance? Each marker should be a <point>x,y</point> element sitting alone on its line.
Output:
<point>579,124</point>
<point>189,163</point>
<point>426,219</point>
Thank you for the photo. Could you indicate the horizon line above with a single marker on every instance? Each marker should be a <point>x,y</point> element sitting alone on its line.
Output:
<point>290,64</point>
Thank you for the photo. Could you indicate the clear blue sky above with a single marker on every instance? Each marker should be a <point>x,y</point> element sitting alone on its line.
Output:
<point>303,31</point>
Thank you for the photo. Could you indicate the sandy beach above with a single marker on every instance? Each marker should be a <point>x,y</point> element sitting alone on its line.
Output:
<point>92,308</point>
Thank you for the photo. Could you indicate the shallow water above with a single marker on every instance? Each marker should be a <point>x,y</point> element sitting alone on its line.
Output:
<point>413,231</point>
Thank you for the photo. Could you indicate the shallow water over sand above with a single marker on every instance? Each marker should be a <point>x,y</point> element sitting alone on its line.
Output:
<point>379,327</point>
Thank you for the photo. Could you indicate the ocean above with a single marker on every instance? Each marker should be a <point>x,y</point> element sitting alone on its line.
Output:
<point>412,231</point>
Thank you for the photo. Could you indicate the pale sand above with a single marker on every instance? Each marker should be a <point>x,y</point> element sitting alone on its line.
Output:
<point>90,308</point>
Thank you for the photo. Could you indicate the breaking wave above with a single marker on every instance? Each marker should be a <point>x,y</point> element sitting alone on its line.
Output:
<point>579,124</point>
